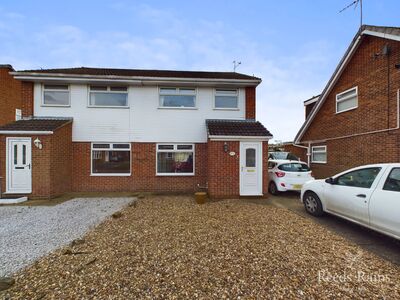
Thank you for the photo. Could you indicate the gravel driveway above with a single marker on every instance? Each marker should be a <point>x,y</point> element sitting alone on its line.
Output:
<point>29,232</point>
<point>171,248</point>
<point>379,244</point>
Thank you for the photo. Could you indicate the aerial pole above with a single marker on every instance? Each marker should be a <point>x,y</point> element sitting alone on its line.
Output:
<point>355,3</point>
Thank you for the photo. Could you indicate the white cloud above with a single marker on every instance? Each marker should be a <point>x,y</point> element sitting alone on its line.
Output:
<point>179,43</point>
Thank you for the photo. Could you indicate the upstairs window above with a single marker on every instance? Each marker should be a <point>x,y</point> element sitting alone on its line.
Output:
<point>226,99</point>
<point>177,97</point>
<point>108,96</point>
<point>347,100</point>
<point>56,95</point>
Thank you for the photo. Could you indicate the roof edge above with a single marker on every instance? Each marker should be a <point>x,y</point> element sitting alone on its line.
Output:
<point>31,76</point>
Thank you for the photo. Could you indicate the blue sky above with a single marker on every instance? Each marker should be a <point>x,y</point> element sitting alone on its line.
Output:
<point>292,45</point>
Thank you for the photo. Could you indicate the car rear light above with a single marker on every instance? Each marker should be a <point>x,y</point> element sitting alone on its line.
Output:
<point>280,174</point>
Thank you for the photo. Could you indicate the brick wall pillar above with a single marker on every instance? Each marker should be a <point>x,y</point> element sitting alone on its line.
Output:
<point>27,98</point>
<point>251,102</point>
<point>10,95</point>
<point>223,169</point>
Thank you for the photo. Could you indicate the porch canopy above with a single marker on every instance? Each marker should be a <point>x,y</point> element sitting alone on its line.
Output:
<point>236,129</point>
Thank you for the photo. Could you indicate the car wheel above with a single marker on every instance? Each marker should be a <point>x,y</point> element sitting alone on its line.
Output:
<point>313,204</point>
<point>273,189</point>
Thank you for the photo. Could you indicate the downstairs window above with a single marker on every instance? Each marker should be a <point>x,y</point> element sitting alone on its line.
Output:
<point>175,159</point>
<point>319,154</point>
<point>111,159</point>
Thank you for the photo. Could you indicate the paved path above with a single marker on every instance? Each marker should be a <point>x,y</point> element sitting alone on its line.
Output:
<point>377,243</point>
<point>29,232</point>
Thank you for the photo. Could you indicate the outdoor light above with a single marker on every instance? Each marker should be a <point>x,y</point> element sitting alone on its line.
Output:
<point>226,148</point>
<point>38,143</point>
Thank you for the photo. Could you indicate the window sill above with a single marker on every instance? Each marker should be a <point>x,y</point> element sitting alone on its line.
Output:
<point>234,109</point>
<point>120,107</point>
<point>319,162</point>
<point>339,112</point>
<point>111,175</point>
<point>175,174</point>
<point>179,108</point>
<point>55,105</point>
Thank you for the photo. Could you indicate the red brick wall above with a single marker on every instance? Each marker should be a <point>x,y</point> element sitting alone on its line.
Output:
<point>344,154</point>
<point>27,98</point>
<point>10,95</point>
<point>377,109</point>
<point>370,75</point>
<point>143,178</point>
<point>41,174</point>
<point>61,161</point>
<point>251,103</point>
<point>223,169</point>
<point>299,152</point>
<point>3,169</point>
<point>83,182</point>
<point>265,168</point>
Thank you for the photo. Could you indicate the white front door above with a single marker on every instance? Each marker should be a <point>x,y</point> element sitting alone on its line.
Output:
<point>19,159</point>
<point>250,169</point>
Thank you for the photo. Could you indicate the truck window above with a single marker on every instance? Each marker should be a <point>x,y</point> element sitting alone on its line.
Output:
<point>393,181</point>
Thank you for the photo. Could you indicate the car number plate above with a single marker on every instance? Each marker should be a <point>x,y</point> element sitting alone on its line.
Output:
<point>297,186</point>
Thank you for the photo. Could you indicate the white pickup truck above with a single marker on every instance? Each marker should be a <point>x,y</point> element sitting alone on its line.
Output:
<point>368,195</point>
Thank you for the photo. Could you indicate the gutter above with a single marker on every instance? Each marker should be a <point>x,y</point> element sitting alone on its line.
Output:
<point>238,137</point>
<point>27,132</point>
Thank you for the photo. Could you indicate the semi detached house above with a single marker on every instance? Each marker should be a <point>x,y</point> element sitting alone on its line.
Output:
<point>94,129</point>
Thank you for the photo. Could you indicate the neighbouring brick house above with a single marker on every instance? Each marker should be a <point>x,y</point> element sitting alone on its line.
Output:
<point>93,129</point>
<point>10,95</point>
<point>355,121</point>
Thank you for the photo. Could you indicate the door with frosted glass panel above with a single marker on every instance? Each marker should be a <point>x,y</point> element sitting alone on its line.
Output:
<point>19,165</point>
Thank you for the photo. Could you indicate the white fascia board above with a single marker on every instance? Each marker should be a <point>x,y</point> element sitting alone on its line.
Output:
<point>238,138</point>
<point>310,101</point>
<point>11,132</point>
<point>32,76</point>
<point>382,35</point>
<point>327,90</point>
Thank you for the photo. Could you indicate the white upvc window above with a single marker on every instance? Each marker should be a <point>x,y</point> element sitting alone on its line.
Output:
<point>226,99</point>
<point>319,154</point>
<point>108,96</point>
<point>175,160</point>
<point>174,97</point>
<point>111,159</point>
<point>347,100</point>
<point>56,95</point>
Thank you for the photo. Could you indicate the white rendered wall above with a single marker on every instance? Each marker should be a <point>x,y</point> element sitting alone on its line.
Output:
<point>143,121</point>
